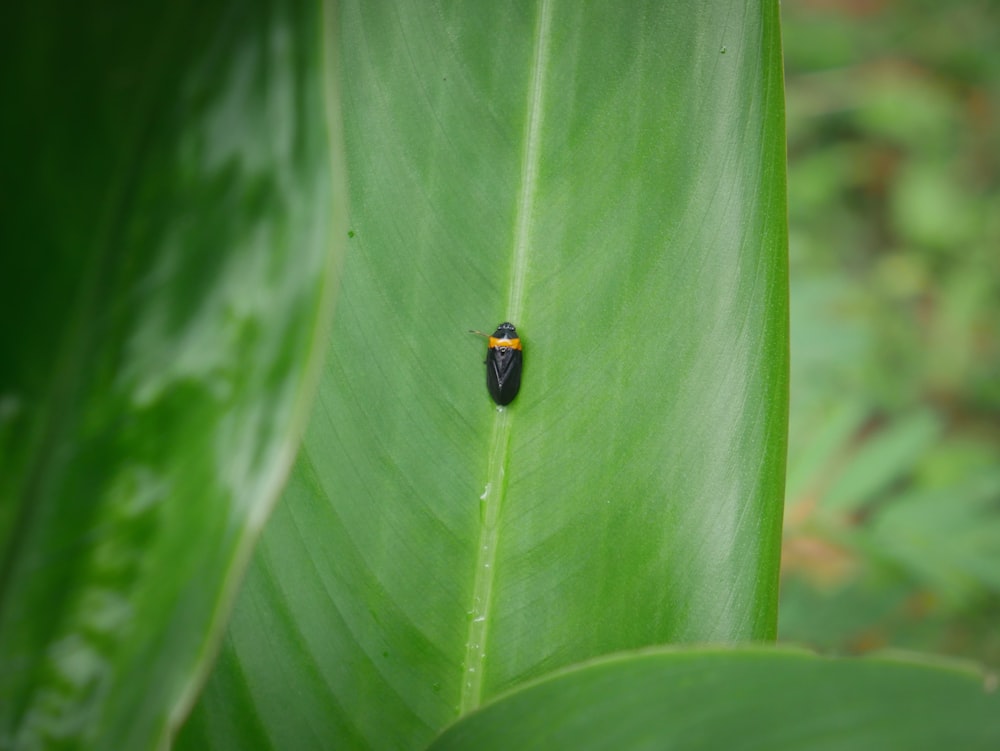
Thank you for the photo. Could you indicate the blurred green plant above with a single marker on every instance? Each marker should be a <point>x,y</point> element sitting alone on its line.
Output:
<point>893,508</point>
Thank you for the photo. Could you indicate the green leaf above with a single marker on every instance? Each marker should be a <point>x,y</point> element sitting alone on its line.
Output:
<point>170,208</point>
<point>946,537</point>
<point>882,459</point>
<point>742,700</point>
<point>825,432</point>
<point>613,183</point>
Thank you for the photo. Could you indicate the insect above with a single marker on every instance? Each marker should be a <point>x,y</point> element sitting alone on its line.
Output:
<point>504,360</point>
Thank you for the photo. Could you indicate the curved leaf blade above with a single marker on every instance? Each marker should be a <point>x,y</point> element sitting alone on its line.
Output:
<point>172,216</point>
<point>741,699</point>
<point>613,183</point>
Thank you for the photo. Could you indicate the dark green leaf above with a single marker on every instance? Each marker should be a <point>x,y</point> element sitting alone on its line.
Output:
<point>167,272</point>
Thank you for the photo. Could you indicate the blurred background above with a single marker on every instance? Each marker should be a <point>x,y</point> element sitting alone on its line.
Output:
<point>892,528</point>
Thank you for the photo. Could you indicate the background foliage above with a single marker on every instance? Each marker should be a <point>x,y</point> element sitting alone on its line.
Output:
<point>893,511</point>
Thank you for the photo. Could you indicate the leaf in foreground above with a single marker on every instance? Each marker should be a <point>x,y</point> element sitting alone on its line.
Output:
<point>167,270</point>
<point>757,699</point>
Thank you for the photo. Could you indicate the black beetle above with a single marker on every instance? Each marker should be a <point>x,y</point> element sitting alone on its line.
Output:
<point>504,360</point>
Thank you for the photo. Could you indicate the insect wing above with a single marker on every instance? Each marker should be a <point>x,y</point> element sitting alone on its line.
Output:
<point>503,373</point>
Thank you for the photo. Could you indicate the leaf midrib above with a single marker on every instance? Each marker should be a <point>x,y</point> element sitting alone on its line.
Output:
<point>495,491</point>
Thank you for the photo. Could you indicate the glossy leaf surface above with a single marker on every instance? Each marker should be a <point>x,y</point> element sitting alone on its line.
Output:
<point>167,271</point>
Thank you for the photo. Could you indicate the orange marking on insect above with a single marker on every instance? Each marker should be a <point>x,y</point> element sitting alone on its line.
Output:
<point>512,343</point>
